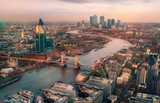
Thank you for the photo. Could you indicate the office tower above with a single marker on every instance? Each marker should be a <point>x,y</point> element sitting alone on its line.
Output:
<point>141,75</point>
<point>105,25</point>
<point>109,23</point>
<point>156,84</point>
<point>78,24</point>
<point>64,90</point>
<point>82,21</point>
<point>118,24</point>
<point>95,20</point>
<point>40,36</point>
<point>102,20</point>
<point>91,20</point>
<point>152,71</point>
<point>113,22</point>
<point>83,25</point>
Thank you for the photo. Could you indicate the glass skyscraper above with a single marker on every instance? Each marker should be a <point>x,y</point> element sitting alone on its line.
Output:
<point>95,22</point>
<point>102,20</point>
<point>91,20</point>
<point>109,23</point>
<point>113,21</point>
<point>40,36</point>
<point>152,71</point>
<point>118,24</point>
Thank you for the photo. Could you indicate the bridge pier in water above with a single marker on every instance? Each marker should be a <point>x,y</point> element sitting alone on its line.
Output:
<point>76,63</point>
<point>62,61</point>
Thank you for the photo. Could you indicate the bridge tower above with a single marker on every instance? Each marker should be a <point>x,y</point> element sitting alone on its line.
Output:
<point>62,60</point>
<point>49,57</point>
<point>12,62</point>
<point>76,63</point>
<point>94,67</point>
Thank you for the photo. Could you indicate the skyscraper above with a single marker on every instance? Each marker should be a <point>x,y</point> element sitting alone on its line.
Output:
<point>118,24</point>
<point>78,24</point>
<point>40,36</point>
<point>82,21</point>
<point>141,75</point>
<point>152,71</point>
<point>102,20</point>
<point>156,84</point>
<point>91,20</point>
<point>109,23</point>
<point>105,25</point>
<point>95,23</point>
<point>113,22</point>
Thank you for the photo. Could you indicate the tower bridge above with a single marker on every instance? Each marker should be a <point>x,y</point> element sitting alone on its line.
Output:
<point>76,65</point>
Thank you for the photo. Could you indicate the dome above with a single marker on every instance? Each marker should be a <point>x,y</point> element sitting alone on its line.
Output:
<point>81,77</point>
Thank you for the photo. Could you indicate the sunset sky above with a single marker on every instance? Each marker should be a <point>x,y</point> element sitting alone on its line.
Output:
<point>77,10</point>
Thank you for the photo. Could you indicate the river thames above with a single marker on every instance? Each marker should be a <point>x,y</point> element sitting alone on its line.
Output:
<point>46,76</point>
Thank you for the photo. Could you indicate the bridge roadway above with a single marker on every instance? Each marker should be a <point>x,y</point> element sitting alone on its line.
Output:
<point>40,60</point>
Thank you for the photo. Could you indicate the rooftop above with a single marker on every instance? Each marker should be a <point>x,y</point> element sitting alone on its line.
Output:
<point>93,95</point>
<point>99,81</point>
<point>147,97</point>
<point>112,97</point>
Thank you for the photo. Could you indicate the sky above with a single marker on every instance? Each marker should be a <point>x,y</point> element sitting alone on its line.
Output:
<point>78,10</point>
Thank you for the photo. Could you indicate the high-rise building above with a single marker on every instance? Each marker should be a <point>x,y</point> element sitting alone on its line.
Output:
<point>40,36</point>
<point>152,71</point>
<point>113,22</point>
<point>141,75</point>
<point>102,20</point>
<point>156,84</point>
<point>91,20</point>
<point>109,23</point>
<point>105,24</point>
<point>95,22</point>
<point>83,24</point>
<point>78,24</point>
<point>118,24</point>
<point>82,21</point>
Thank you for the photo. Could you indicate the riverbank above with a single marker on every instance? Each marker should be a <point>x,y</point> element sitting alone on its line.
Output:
<point>47,75</point>
<point>80,44</point>
<point>18,75</point>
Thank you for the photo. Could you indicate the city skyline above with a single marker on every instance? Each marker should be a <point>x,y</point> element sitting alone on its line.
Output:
<point>73,10</point>
<point>101,59</point>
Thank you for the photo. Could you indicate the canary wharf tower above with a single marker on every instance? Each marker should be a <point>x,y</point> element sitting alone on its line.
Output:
<point>40,36</point>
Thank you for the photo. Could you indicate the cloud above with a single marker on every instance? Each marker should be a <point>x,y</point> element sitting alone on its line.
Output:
<point>147,1</point>
<point>75,1</point>
<point>104,1</point>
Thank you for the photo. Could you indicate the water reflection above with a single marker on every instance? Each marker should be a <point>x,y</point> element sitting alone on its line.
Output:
<point>44,77</point>
<point>76,72</point>
<point>63,71</point>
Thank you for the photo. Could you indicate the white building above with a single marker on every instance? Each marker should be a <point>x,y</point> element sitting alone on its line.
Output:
<point>7,70</point>
<point>124,78</point>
